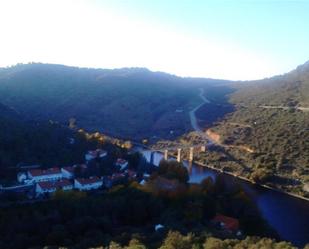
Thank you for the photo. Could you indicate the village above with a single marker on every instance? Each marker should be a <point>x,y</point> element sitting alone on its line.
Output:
<point>39,183</point>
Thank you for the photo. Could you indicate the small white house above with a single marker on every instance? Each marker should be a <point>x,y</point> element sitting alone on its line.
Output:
<point>158,227</point>
<point>122,163</point>
<point>67,172</point>
<point>88,183</point>
<point>39,175</point>
<point>52,186</point>
<point>93,154</point>
<point>142,182</point>
<point>21,177</point>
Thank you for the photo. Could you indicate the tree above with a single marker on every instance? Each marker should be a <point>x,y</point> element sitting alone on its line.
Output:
<point>173,170</point>
<point>175,240</point>
<point>214,243</point>
<point>135,244</point>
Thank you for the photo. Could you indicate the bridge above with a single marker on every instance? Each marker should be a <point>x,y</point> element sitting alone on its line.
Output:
<point>205,139</point>
<point>181,149</point>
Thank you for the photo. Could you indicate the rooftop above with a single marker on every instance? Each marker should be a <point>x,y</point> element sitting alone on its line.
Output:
<point>52,185</point>
<point>91,180</point>
<point>229,222</point>
<point>42,172</point>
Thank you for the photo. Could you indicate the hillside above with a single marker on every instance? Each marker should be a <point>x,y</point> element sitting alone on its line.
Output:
<point>37,143</point>
<point>128,102</point>
<point>272,120</point>
<point>265,135</point>
<point>291,89</point>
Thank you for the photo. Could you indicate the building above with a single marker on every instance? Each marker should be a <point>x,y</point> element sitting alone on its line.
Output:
<point>142,182</point>
<point>88,183</point>
<point>226,223</point>
<point>39,175</point>
<point>52,186</point>
<point>21,177</point>
<point>93,154</point>
<point>123,164</point>
<point>67,172</point>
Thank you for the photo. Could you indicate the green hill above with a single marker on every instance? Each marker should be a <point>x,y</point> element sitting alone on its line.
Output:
<point>272,119</point>
<point>44,143</point>
<point>128,102</point>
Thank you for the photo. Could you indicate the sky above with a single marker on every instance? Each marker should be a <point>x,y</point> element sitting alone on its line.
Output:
<point>237,40</point>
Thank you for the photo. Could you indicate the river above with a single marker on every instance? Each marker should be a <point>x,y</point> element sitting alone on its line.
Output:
<point>288,215</point>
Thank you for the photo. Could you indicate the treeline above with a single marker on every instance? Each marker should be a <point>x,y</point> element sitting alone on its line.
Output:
<point>47,144</point>
<point>175,240</point>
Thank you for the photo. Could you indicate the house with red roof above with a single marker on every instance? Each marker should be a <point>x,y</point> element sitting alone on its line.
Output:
<point>52,186</point>
<point>93,154</point>
<point>226,223</point>
<point>39,175</point>
<point>88,183</point>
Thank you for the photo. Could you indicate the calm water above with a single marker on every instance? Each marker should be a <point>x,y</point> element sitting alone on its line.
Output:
<point>289,216</point>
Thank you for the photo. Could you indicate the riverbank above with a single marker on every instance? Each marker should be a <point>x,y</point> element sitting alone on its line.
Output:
<point>198,129</point>
<point>252,182</point>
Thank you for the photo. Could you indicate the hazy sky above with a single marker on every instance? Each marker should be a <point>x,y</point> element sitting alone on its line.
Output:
<point>220,39</point>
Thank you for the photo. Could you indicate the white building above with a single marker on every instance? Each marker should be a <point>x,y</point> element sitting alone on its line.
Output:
<point>142,182</point>
<point>93,154</point>
<point>39,175</point>
<point>21,177</point>
<point>52,186</point>
<point>67,172</point>
<point>122,163</point>
<point>88,183</point>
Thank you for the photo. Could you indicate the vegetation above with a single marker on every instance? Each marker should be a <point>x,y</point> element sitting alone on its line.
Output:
<point>266,137</point>
<point>269,120</point>
<point>48,144</point>
<point>115,102</point>
<point>127,214</point>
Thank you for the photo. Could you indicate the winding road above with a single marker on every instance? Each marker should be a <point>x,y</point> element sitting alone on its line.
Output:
<point>193,118</point>
<point>192,113</point>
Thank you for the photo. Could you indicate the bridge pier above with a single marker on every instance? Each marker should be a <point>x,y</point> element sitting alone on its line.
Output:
<point>166,155</point>
<point>178,155</point>
<point>191,154</point>
<point>152,157</point>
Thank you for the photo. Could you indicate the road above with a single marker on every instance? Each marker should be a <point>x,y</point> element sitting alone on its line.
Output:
<point>192,113</point>
<point>304,109</point>
<point>193,117</point>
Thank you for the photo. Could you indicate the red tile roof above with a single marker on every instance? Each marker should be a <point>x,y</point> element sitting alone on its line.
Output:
<point>52,185</point>
<point>85,181</point>
<point>40,172</point>
<point>229,222</point>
